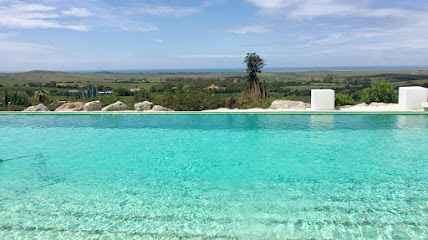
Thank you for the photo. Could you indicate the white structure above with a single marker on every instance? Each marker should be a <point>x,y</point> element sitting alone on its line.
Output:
<point>412,97</point>
<point>322,99</point>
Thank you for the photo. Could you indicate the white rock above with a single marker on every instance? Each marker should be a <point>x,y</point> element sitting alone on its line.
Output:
<point>373,107</point>
<point>117,106</point>
<point>92,106</point>
<point>70,107</point>
<point>143,106</point>
<point>37,108</point>
<point>160,108</point>
<point>379,104</point>
<point>360,105</point>
<point>287,104</point>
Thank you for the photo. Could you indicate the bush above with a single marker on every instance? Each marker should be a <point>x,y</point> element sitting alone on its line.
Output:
<point>210,101</point>
<point>190,101</point>
<point>142,95</point>
<point>12,108</point>
<point>123,92</point>
<point>379,92</point>
<point>230,102</point>
<point>343,99</point>
<point>107,100</point>
<point>15,99</point>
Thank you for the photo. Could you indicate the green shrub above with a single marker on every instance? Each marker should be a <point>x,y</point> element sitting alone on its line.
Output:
<point>167,100</point>
<point>379,92</point>
<point>142,95</point>
<point>12,108</point>
<point>107,100</point>
<point>210,101</point>
<point>341,99</point>
<point>15,99</point>
<point>184,100</point>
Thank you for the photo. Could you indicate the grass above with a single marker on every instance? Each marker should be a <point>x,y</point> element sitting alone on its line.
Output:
<point>48,76</point>
<point>295,81</point>
<point>9,82</point>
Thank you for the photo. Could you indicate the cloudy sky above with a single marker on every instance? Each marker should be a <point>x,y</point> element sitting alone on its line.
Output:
<point>149,34</point>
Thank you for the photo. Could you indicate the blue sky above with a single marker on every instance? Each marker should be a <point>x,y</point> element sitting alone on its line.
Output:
<point>149,34</point>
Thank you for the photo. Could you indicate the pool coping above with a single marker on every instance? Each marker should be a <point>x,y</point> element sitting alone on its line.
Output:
<point>220,113</point>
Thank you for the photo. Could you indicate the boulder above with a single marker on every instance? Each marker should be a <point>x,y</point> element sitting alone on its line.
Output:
<point>160,108</point>
<point>360,105</point>
<point>38,108</point>
<point>287,104</point>
<point>117,106</point>
<point>55,105</point>
<point>71,107</point>
<point>61,102</point>
<point>143,106</point>
<point>378,104</point>
<point>92,106</point>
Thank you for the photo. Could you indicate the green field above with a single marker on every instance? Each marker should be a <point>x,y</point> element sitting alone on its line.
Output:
<point>280,85</point>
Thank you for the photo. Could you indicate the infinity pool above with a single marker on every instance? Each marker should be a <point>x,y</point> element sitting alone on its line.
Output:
<point>227,176</point>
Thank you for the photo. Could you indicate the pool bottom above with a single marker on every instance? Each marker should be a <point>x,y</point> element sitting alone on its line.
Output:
<point>215,176</point>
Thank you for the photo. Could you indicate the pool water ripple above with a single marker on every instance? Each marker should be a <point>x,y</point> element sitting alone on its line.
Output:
<point>214,177</point>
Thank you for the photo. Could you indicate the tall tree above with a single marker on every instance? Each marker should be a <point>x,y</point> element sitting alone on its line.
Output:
<point>256,92</point>
<point>254,66</point>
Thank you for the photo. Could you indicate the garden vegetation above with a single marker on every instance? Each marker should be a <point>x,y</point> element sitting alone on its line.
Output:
<point>201,91</point>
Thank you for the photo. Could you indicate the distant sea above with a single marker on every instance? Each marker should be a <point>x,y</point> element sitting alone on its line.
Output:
<point>272,69</point>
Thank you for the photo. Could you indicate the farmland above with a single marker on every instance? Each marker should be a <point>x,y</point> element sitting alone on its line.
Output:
<point>280,85</point>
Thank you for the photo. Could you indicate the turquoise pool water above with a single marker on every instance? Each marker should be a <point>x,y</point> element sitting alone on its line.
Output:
<point>214,176</point>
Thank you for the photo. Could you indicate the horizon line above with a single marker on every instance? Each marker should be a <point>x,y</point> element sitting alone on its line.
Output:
<point>235,69</point>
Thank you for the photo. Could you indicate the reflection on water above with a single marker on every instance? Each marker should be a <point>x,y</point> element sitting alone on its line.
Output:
<point>406,121</point>
<point>322,122</point>
<point>241,122</point>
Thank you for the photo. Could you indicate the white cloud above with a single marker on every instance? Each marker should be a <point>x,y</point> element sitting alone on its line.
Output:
<point>106,17</point>
<point>7,35</point>
<point>334,38</point>
<point>31,14</point>
<point>18,14</point>
<point>353,24</point>
<point>8,47</point>
<point>158,40</point>
<point>128,25</point>
<point>77,12</point>
<point>23,7</point>
<point>248,29</point>
<point>211,56</point>
<point>166,10</point>
<point>312,8</point>
<point>14,22</point>
<point>272,4</point>
<point>319,8</point>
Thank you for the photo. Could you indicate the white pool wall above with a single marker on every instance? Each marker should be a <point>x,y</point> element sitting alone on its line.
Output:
<point>322,99</point>
<point>412,97</point>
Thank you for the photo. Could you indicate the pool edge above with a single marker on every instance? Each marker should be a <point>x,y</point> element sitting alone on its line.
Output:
<point>222,113</point>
